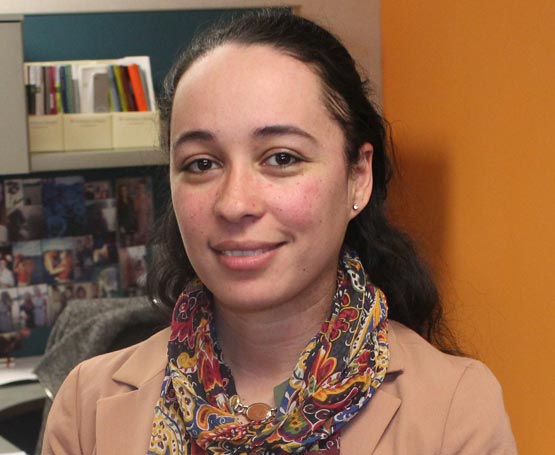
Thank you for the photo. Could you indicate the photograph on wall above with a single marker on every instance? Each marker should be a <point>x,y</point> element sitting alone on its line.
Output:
<point>7,275</point>
<point>102,216</point>
<point>9,310</point>
<point>22,192</point>
<point>58,259</point>
<point>106,278</point>
<point>98,190</point>
<point>85,291</point>
<point>27,263</point>
<point>25,223</point>
<point>59,295</point>
<point>13,193</point>
<point>60,240</point>
<point>105,249</point>
<point>3,217</point>
<point>83,253</point>
<point>133,269</point>
<point>63,201</point>
<point>33,303</point>
<point>135,213</point>
<point>23,205</point>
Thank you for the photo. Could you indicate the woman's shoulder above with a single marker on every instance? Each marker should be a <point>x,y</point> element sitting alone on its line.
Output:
<point>139,360</point>
<point>72,422</point>
<point>418,363</point>
<point>115,372</point>
<point>416,352</point>
<point>454,400</point>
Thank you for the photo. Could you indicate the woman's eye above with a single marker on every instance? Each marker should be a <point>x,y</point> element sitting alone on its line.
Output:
<point>200,165</point>
<point>281,159</point>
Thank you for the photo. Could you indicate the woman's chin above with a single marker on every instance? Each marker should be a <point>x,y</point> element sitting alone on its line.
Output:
<point>248,298</point>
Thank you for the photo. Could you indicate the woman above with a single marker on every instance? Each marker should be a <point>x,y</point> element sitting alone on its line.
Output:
<point>277,257</point>
<point>6,321</point>
<point>27,310</point>
<point>142,205</point>
<point>127,218</point>
<point>7,279</point>
<point>39,306</point>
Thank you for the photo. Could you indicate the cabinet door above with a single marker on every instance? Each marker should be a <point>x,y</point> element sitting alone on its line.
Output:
<point>14,155</point>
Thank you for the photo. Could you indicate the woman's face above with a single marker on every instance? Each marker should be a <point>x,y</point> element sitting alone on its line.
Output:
<point>259,179</point>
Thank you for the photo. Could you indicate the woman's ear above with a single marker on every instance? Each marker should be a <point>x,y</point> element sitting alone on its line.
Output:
<point>361,179</point>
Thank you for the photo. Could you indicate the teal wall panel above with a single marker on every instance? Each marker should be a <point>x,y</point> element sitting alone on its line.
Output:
<point>158,34</point>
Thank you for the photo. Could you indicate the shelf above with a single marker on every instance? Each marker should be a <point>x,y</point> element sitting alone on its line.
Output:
<point>61,161</point>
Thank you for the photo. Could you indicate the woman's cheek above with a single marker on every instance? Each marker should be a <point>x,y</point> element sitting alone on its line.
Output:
<point>191,213</point>
<point>300,206</point>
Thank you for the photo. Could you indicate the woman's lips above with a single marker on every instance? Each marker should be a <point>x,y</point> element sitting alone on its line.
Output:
<point>243,253</point>
<point>245,256</point>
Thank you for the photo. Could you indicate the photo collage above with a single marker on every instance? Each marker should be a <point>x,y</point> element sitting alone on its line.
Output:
<point>65,238</point>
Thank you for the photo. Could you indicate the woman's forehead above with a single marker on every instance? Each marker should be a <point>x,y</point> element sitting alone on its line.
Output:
<point>250,83</point>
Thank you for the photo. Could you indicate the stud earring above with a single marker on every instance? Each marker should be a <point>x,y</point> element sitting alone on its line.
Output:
<point>355,206</point>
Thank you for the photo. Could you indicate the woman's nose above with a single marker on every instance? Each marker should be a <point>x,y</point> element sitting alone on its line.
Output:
<point>239,197</point>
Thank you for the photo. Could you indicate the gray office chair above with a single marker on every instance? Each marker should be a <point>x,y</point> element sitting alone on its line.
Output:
<point>87,328</point>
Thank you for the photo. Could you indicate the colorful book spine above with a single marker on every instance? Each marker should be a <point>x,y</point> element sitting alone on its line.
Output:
<point>30,90</point>
<point>63,88</point>
<point>50,78</point>
<point>121,90</point>
<point>144,82</point>
<point>115,105</point>
<point>58,90</point>
<point>138,90</point>
<point>128,89</point>
<point>45,90</point>
<point>70,95</point>
<point>36,72</point>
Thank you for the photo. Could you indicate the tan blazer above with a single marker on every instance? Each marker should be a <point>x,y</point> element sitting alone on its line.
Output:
<point>430,404</point>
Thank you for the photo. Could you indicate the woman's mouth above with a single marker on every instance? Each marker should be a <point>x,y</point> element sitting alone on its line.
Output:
<point>242,253</point>
<point>246,256</point>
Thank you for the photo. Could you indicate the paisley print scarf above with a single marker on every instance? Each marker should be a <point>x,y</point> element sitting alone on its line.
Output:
<point>335,376</point>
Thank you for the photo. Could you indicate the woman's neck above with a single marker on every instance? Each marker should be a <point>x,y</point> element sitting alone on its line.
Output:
<point>263,347</point>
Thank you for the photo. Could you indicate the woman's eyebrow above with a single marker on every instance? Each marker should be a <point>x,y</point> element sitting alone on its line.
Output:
<point>283,130</point>
<point>264,131</point>
<point>193,136</point>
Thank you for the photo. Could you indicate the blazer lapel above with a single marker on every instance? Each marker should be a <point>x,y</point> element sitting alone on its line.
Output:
<point>124,421</point>
<point>362,435</point>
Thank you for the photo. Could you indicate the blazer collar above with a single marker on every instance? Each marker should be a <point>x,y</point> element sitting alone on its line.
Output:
<point>141,378</point>
<point>143,373</point>
<point>362,435</point>
<point>145,362</point>
<point>396,357</point>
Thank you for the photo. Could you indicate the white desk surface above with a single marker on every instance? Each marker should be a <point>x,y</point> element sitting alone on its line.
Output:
<point>7,448</point>
<point>21,370</point>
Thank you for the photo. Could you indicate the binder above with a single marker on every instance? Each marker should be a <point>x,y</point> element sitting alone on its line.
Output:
<point>137,85</point>
<point>121,89</point>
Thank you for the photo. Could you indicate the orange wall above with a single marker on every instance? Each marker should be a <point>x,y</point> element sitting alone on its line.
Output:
<point>469,87</point>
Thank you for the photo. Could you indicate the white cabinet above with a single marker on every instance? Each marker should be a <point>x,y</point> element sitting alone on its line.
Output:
<point>14,155</point>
